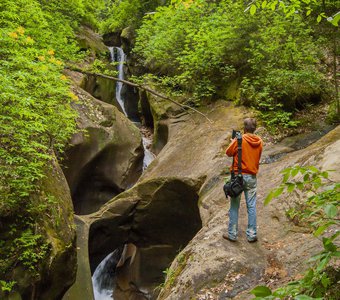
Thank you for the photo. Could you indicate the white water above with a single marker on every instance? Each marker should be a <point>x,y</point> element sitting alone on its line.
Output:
<point>103,276</point>
<point>148,155</point>
<point>120,59</point>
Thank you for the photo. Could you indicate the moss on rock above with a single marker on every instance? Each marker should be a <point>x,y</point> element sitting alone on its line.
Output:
<point>44,241</point>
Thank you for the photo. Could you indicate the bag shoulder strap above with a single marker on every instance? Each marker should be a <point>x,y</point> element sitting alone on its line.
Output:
<point>239,153</point>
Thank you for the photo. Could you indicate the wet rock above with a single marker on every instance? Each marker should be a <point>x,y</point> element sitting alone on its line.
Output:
<point>54,222</point>
<point>128,38</point>
<point>159,217</point>
<point>195,149</point>
<point>156,112</point>
<point>101,88</point>
<point>112,39</point>
<point>105,158</point>
<point>88,39</point>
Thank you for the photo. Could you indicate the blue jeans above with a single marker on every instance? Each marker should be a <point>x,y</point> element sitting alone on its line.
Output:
<point>250,194</point>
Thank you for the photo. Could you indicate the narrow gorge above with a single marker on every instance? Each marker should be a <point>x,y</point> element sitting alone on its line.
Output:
<point>135,236</point>
<point>115,117</point>
<point>177,209</point>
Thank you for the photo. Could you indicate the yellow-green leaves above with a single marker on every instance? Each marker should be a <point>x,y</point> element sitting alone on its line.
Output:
<point>273,194</point>
<point>261,291</point>
<point>252,9</point>
<point>273,5</point>
<point>335,19</point>
<point>296,6</point>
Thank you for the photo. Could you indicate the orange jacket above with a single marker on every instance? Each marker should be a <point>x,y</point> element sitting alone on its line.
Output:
<point>251,153</point>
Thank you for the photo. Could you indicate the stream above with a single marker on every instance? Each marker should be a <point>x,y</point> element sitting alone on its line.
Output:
<point>103,276</point>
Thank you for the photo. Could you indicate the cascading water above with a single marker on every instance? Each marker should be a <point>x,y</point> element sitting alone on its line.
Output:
<point>119,57</point>
<point>148,155</point>
<point>103,277</point>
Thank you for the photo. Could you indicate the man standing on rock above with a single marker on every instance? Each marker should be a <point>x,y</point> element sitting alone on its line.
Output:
<point>251,153</point>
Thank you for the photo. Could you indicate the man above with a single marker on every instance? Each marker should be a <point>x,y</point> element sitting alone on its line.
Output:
<point>251,153</point>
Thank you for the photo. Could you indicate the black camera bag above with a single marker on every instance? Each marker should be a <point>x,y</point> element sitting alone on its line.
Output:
<point>234,186</point>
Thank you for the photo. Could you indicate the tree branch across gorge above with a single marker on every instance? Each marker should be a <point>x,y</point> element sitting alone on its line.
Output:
<point>139,86</point>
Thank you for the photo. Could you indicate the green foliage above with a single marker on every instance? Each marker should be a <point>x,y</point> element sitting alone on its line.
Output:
<point>7,286</point>
<point>35,114</point>
<point>205,45</point>
<point>319,211</point>
<point>197,43</point>
<point>36,119</point>
<point>30,249</point>
<point>101,67</point>
<point>172,274</point>
<point>261,291</point>
<point>117,15</point>
<point>284,74</point>
<point>327,9</point>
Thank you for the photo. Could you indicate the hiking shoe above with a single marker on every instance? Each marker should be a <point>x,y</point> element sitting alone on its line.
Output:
<point>252,240</point>
<point>225,236</point>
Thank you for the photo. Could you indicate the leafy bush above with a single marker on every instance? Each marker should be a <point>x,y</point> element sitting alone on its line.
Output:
<point>35,114</point>
<point>36,118</point>
<point>195,42</point>
<point>116,15</point>
<point>206,45</point>
<point>319,211</point>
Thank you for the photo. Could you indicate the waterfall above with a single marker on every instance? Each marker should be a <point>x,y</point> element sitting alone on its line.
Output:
<point>118,55</point>
<point>103,277</point>
<point>148,155</point>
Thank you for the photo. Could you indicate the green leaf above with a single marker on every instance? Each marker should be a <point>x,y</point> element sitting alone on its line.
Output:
<point>318,19</point>
<point>278,192</point>
<point>328,245</point>
<point>324,174</point>
<point>306,177</point>
<point>312,168</point>
<point>308,12</point>
<point>295,172</point>
<point>336,254</point>
<point>325,281</point>
<point>335,19</point>
<point>269,198</point>
<point>286,177</point>
<point>330,210</point>
<point>323,263</point>
<point>300,185</point>
<point>321,229</point>
<point>261,291</point>
<point>273,5</point>
<point>253,9</point>
<point>264,4</point>
<point>291,187</point>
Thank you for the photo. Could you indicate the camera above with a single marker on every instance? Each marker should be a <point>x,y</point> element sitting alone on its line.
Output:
<point>235,133</point>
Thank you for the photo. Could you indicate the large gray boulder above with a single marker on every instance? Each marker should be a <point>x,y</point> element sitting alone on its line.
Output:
<point>152,222</point>
<point>50,275</point>
<point>105,156</point>
<point>90,40</point>
<point>210,267</point>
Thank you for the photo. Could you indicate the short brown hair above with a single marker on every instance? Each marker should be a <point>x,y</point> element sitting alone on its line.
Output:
<point>250,125</point>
